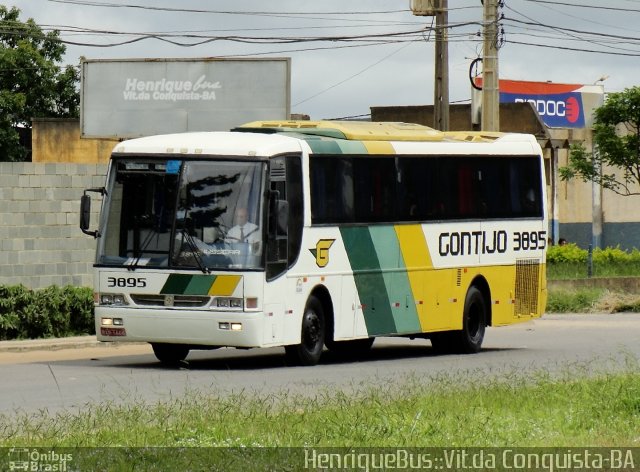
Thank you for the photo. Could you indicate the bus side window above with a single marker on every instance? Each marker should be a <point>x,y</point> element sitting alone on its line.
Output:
<point>331,189</point>
<point>285,214</point>
<point>525,188</point>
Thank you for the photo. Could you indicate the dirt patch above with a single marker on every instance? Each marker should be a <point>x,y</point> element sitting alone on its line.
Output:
<point>108,350</point>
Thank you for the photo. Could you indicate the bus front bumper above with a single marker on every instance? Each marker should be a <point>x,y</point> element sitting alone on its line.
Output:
<point>204,328</point>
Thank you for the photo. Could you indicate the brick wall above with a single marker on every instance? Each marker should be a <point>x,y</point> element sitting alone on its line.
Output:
<point>40,240</point>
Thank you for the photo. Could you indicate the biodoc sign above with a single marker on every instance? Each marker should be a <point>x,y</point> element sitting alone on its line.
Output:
<point>559,105</point>
<point>126,98</point>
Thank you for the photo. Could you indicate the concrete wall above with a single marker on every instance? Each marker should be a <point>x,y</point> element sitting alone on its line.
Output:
<point>40,240</point>
<point>58,140</point>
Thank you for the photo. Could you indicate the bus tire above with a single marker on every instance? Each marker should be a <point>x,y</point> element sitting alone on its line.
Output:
<point>170,353</point>
<point>312,336</point>
<point>474,322</point>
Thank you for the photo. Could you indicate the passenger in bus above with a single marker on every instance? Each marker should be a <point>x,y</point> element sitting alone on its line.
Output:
<point>530,204</point>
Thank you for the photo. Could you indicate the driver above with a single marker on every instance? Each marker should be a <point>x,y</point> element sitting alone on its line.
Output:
<point>244,231</point>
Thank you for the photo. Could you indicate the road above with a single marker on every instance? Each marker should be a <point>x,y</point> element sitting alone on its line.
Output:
<point>72,379</point>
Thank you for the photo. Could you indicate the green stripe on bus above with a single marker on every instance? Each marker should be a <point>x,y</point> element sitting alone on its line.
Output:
<point>336,146</point>
<point>199,285</point>
<point>396,279</point>
<point>176,284</point>
<point>324,146</point>
<point>352,147</point>
<point>185,284</point>
<point>369,281</point>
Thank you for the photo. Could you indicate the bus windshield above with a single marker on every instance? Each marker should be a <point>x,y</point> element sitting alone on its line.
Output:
<point>204,214</point>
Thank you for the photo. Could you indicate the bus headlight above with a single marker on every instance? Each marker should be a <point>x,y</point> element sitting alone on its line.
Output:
<point>111,322</point>
<point>225,302</point>
<point>112,299</point>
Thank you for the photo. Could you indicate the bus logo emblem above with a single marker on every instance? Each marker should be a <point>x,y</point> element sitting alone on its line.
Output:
<point>321,251</point>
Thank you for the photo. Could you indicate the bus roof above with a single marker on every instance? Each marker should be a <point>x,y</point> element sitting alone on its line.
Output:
<point>210,142</point>
<point>367,131</point>
<point>269,138</point>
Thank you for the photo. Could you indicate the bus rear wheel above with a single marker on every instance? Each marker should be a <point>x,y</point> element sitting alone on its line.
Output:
<point>170,353</point>
<point>474,321</point>
<point>312,336</point>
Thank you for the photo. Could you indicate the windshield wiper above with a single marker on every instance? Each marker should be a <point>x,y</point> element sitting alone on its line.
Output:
<point>145,244</point>
<point>195,251</point>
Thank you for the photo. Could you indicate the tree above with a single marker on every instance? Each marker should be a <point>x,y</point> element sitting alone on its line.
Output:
<point>616,136</point>
<point>32,84</point>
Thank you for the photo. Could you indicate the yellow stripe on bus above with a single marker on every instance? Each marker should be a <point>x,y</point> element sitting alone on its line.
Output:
<point>224,285</point>
<point>417,261</point>
<point>379,147</point>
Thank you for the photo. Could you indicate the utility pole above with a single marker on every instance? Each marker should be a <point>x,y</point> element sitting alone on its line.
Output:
<point>439,9</point>
<point>490,77</point>
<point>441,85</point>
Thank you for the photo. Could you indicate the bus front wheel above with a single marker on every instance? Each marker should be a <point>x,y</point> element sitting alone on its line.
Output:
<point>170,353</point>
<point>312,336</point>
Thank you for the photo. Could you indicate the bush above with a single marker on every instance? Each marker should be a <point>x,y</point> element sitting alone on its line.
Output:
<point>570,262</point>
<point>50,312</point>
<point>573,254</point>
<point>567,253</point>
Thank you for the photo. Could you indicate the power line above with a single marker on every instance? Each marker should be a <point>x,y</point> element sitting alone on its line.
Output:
<point>287,14</point>
<point>354,75</point>
<point>90,3</point>
<point>572,34</point>
<point>634,10</point>
<point>566,48</point>
<point>599,34</point>
<point>199,39</point>
<point>587,20</point>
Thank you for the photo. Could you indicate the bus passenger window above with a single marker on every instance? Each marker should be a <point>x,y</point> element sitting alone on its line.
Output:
<point>331,189</point>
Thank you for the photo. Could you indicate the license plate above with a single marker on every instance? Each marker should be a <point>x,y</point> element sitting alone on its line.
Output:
<point>113,331</point>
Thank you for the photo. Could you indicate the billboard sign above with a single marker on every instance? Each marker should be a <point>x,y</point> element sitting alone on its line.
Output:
<point>559,105</point>
<point>126,98</point>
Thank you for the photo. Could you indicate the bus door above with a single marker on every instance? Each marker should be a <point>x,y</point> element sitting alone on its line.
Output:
<point>284,237</point>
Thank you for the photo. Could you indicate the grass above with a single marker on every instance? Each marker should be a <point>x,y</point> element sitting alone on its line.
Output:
<point>592,301</point>
<point>579,270</point>
<point>473,411</point>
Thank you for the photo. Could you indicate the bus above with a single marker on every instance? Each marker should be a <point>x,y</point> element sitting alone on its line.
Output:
<point>352,231</point>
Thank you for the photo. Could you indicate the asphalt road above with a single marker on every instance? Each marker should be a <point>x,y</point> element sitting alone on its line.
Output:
<point>73,379</point>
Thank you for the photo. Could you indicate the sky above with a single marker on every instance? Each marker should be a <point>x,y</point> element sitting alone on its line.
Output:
<point>389,62</point>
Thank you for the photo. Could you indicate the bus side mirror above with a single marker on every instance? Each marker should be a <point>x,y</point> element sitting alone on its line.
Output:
<point>85,212</point>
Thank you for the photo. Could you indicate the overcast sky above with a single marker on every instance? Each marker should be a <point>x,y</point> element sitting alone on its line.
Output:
<point>543,41</point>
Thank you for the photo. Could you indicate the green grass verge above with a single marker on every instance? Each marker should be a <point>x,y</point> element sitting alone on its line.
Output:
<point>591,301</point>
<point>573,301</point>
<point>474,411</point>
<point>578,270</point>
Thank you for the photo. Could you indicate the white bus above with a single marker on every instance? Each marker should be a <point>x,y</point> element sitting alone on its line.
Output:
<point>352,230</point>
